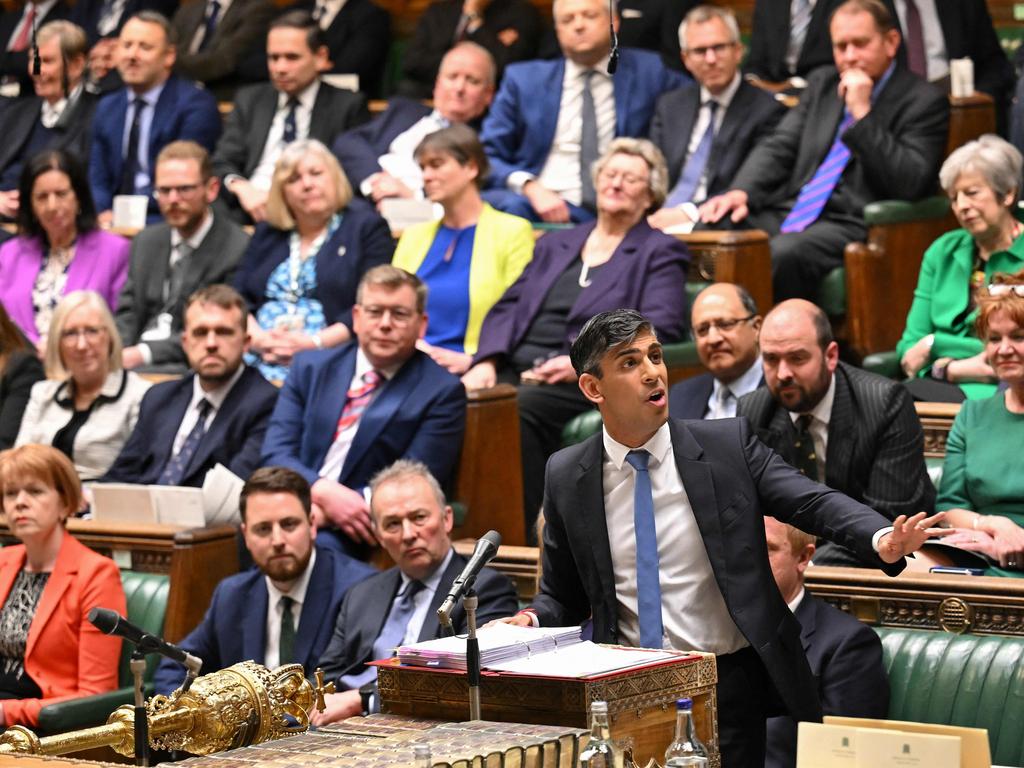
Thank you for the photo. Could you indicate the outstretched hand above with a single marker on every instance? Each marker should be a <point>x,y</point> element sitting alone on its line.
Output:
<point>909,534</point>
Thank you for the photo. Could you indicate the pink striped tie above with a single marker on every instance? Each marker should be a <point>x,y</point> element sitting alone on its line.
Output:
<point>356,401</point>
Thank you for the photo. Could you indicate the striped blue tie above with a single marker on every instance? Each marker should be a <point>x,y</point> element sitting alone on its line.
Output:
<point>696,164</point>
<point>815,193</point>
<point>648,580</point>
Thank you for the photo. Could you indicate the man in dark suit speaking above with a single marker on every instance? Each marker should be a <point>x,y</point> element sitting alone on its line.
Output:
<point>399,606</point>
<point>655,530</point>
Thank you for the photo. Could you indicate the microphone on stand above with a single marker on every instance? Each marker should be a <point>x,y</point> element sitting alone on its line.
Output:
<point>486,549</point>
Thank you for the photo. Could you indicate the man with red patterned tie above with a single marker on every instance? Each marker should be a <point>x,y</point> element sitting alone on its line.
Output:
<point>865,130</point>
<point>346,413</point>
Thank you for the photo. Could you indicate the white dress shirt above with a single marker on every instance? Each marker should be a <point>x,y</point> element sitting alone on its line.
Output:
<point>422,599</point>
<point>329,9</point>
<point>272,655</point>
<point>263,173</point>
<point>561,171</point>
<point>935,54</point>
<point>795,602</point>
<point>215,398</point>
<point>820,414</point>
<point>144,173</point>
<point>747,382</point>
<point>50,114</point>
<point>197,38</point>
<point>693,611</point>
<point>399,161</point>
<point>724,99</point>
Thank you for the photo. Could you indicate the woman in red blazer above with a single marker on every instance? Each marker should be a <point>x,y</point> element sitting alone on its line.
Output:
<point>48,583</point>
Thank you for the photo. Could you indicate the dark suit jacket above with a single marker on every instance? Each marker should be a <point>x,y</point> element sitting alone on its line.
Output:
<point>732,481</point>
<point>419,414</point>
<point>183,111</point>
<point>361,241</point>
<point>752,115</point>
<point>435,34</point>
<point>845,656</point>
<point>233,438</point>
<point>520,127</point>
<point>71,133</point>
<point>770,39</point>
<point>241,31</point>
<point>896,150</point>
<point>15,65</point>
<point>359,39</point>
<point>358,149</point>
<point>689,398</point>
<point>875,441</point>
<point>86,14</point>
<point>646,272</point>
<point>367,605</point>
<point>246,128</point>
<point>22,370</point>
<point>234,628</point>
<point>142,298</point>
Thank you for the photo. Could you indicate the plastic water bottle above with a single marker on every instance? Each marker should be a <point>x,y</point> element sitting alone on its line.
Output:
<point>686,749</point>
<point>600,751</point>
<point>421,756</point>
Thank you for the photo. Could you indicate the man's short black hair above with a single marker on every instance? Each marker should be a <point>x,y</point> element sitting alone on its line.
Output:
<point>276,480</point>
<point>603,332</point>
<point>304,22</point>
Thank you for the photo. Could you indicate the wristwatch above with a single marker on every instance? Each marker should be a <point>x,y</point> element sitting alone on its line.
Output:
<point>940,369</point>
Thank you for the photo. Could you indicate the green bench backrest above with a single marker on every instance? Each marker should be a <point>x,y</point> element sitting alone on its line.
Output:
<point>146,594</point>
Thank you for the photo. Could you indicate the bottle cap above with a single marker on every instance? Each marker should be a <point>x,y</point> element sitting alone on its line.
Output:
<point>684,703</point>
<point>599,707</point>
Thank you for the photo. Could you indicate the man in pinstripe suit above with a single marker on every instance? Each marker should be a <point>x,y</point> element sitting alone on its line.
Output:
<point>852,430</point>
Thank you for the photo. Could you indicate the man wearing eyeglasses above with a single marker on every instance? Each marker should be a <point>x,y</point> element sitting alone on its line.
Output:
<point>706,129</point>
<point>854,431</point>
<point>725,325</point>
<point>347,412</point>
<point>191,248</point>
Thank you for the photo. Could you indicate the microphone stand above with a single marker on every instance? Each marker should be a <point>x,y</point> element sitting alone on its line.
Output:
<point>469,602</point>
<point>138,668</point>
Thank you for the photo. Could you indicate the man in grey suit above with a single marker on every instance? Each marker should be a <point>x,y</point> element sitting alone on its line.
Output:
<point>190,249</point>
<point>849,429</point>
<point>293,105</point>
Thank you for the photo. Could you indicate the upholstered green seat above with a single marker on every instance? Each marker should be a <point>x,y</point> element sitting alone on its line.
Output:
<point>146,594</point>
<point>968,680</point>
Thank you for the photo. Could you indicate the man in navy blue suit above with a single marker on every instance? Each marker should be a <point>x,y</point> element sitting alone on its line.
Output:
<point>725,326</point>
<point>218,415</point>
<point>845,655</point>
<point>282,611</point>
<point>155,108</point>
<point>346,413</point>
<point>552,119</point>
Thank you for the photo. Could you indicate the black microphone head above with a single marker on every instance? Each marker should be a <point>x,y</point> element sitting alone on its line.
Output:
<point>613,61</point>
<point>493,538</point>
<point>104,619</point>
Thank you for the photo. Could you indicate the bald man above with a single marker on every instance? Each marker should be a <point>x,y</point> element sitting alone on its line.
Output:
<point>725,324</point>
<point>849,429</point>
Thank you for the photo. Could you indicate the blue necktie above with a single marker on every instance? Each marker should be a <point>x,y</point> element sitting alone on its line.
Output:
<point>290,126</point>
<point>174,472</point>
<point>696,164</point>
<point>648,582</point>
<point>391,634</point>
<point>816,192</point>
<point>131,155</point>
<point>211,25</point>
<point>589,139</point>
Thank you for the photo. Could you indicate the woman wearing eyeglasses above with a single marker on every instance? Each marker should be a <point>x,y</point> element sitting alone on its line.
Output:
<point>300,272</point>
<point>88,405</point>
<point>58,248</point>
<point>616,261</point>
<point>982,489</point>
<point>982,179</point>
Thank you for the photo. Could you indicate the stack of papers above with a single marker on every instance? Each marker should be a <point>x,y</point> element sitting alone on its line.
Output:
<point>498,643</point>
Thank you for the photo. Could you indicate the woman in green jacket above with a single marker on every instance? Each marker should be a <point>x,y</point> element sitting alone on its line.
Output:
<point>982,179</point>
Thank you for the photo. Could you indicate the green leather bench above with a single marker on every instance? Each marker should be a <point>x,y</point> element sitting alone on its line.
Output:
<point>146,594</point>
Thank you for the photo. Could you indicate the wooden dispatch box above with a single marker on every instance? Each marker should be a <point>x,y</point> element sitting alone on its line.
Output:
<point>641,701</point>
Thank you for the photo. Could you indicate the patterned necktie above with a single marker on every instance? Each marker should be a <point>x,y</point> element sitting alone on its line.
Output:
<point>648,582</point>
<point>799,20</point>
<point>20,43</point>
<point>917,61</point>
<point>816,192</point>
<point>588,143</point>
<point>696,164</point>
<point>356,401</point>
<point>177,276</point>
<point>286,644</point>
<point>131,156</point>
<point>725,395</point>
<point>174,472</point>
<point>290,126</point>
<point>805,459</point>
<point>211,25</point>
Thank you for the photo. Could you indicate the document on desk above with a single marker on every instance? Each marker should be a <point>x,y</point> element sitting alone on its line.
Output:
<point>585,659</point>
<point>500,642</point>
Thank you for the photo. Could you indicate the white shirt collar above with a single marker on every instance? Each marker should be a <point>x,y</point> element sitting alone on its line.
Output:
<point>299,586</point>
<point>659,446</point>
<point>430,583</point>
<point>795,602</point>
<point>576,70</point>
<point>363,365</point>
<point>823,410</point>
<point>151,97</point>
<point>198,236</point>
<point>306,97</point>
<point>51,113</point>
<point>748,381</point>
<point>217,396</point>
<point>725,98</point>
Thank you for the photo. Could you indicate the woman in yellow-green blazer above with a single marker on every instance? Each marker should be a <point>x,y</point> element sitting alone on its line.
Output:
<point>468,257</point>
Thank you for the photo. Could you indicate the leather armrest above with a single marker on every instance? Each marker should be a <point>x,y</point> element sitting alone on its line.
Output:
<point>884,364</point>
<point>85,711</point>
<point>902,211</point>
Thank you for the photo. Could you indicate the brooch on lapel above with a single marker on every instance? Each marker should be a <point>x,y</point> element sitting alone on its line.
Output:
<point>341,251</point>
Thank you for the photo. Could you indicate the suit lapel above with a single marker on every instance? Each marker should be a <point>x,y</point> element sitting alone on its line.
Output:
<point>320,119</point>
<point>841,434</point>
<point>735,116</point>
<point>9,569</point>
<point>315,607</point>
<point>592,522</point>
<point>215,435</point>
<point>681,145</point>
<point>779,432</point>
<point>166,106</point>
<point>64,571</point>
<point>431,627</point>
<point>805,615</point>
<point>167,429</point>
<point>543,122</point>
<point>254,623</point>
<point>375,613</point>
<point>262,117</point>
<point>330,401</point>
<point>606,280</point>
<point>19,133</point>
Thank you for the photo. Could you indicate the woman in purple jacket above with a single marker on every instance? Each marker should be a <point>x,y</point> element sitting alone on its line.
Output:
<point>58,248</point>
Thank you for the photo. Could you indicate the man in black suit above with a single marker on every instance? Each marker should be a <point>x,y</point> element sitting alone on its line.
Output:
<point>294,105</point>
<point>706,129</point>
<point>844,654</point>
<point>849,429</point>
<point>191,248</point>
<point>378,157</point>
<point>358,37</point>
<point>16,41</point>
<point>57,117</point>
<point>868,130</point>
<point>672,512</point>
<point>790,38</point>
<point>218,415</point>
<point>725,324</point>
<point>399,606</point>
